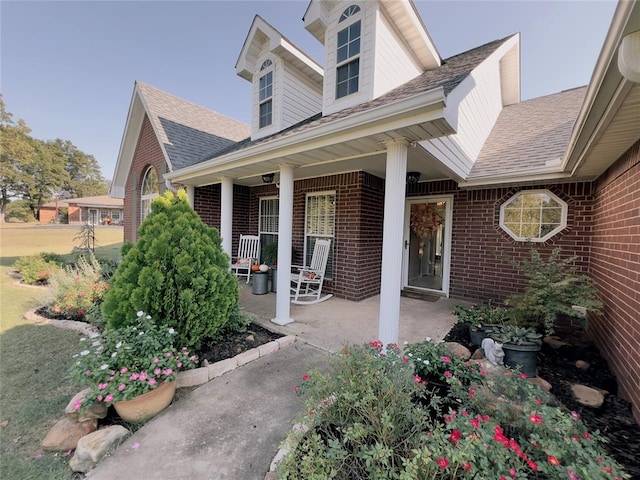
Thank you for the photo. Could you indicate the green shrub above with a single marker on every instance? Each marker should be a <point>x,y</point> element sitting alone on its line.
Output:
<point>238,322</point>
<point>554,286</point>
<point>74,290</point>
<point>366,419</point>
<point>176,272</point>
<point>36,269</point>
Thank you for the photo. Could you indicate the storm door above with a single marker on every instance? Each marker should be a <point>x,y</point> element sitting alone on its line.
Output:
<point>427,244</point>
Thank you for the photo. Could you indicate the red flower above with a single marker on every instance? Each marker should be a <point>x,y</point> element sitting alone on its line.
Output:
<point>475,422</point>
<point>523,376</point>
<point>305,377</point>
<point>536,418</point>
<point>586,435</point>
<point>455,436</point>
<point>532,465</point>
<point>296,389</point>
<point>443,462</point>
<point>467,466</point>
<point>553,460</point>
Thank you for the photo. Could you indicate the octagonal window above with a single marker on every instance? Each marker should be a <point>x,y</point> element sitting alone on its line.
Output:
<point>533,215</point>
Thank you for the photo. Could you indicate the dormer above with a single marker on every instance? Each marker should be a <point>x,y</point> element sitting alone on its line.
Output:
<point>274,66</point>
<point>371,47</point>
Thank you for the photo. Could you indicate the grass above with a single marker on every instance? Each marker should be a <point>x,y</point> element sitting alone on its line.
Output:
<point>34,359</point>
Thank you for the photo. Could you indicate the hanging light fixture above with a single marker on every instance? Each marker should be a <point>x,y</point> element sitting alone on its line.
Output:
<point>268,177</point>
<point>413,177</point>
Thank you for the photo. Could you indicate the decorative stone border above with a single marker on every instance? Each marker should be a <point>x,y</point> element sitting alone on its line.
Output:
<point>199,376</point>
<point>187,378</point>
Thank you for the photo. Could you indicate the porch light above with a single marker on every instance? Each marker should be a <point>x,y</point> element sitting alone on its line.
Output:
<point>413,177</point>
<point>268,177</point>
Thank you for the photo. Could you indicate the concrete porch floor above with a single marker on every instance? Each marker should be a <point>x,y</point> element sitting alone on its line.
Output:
<point>335,322</point>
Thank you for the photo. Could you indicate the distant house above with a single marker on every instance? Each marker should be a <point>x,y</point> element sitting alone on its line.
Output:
<point>98,210</point>
<point>427,174</point>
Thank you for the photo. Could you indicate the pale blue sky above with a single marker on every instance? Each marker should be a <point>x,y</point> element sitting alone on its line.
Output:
<point>67,68</point>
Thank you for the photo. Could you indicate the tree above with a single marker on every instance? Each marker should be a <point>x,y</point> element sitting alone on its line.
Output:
<point>176,272</point>
<point>35,170</point>
<point>16,150</point>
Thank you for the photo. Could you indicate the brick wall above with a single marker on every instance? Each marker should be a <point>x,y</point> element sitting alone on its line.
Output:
<point>147,154</point>
<point>615,266</point>
<point>481,251</point>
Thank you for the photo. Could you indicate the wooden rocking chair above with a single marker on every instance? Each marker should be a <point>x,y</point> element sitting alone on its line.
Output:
<point>307,283</point>
<point>248,255</point>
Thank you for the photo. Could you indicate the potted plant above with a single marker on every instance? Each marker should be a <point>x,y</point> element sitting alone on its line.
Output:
<point>482,320</point>
<point>554,289</point>
<point>270,257</point>
<point>132,368</point>
<point>521,346</point>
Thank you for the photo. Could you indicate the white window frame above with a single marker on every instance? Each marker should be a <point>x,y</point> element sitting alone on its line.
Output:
<point>307,234</point>
<point>350,16</point>
<point>266,70</point>
<point>147,198</point>
<point>116,217</point>
<point>561,226</point>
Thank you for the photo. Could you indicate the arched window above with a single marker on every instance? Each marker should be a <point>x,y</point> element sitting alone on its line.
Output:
<point>150,190</point>
<point>348,54</point>
<point>265,94</point>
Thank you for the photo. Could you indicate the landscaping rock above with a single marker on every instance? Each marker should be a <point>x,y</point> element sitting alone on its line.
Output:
<point>65,434</point>
<point>454,349</point>
<point>555,342</point>
<point>493,371</point>
<point>582,365</point>
<point>250,339</point>
<point>93,447</point>
<point>478,354</point>
<point>541,382</point>
<point>587,396</point>
<point>97,410</point>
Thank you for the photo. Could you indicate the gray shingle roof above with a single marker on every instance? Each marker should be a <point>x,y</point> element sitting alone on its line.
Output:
<point>188,131</point>
<point>529,135</point>
<point>448,76</point>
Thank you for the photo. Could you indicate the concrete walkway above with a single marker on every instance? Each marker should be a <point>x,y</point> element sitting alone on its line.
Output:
<point>232,426</point>
<point>229,428</point>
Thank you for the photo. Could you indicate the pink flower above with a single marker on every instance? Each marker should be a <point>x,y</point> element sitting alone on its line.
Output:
<point>157,371</point>
<point>443,463</point>
<point>192,358</point>
<point>553,460</point>
<point>87,373</point>
<point>572,475</point>
<point>156,360</point>
<point>168,354</point>
<point>102,386</point>
<point>134,376</point>
<point>296,389</point>
<point>108,398</point>
<point>124,370</point>
<point>586,435</point>
<point>446,359</point>
<point>448,374</point>
<point>523,376</point>
<point>121,387</point>
<point>179,365</point>
<point>143,376</point>
<point>575,415</point>
<point>168,371</point>
<point>536,418</point>
<point>99,398</point>
<point>77,404</point>
<point>405,359</point>
<point>152,381</point>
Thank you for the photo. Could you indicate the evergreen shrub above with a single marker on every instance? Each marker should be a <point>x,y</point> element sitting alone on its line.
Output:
<point>177,273</point>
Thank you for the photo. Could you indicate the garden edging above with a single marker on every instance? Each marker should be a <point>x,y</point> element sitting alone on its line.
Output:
<point>187,378</point>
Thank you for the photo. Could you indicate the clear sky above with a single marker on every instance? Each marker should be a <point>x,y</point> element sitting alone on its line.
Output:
<point>67,68</point>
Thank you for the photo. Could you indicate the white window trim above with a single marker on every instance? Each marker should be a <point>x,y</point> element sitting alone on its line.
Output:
<point>342,25</point>
<point>148,197</point>
<point>263,72</point>
<point>260,231</point>
<point>329,274</point>
<point>555,231</point>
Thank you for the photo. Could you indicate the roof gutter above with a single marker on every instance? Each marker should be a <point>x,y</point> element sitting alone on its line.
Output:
<point>377,120</point>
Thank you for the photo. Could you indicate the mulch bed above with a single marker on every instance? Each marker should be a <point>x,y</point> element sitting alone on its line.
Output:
<point>236,343</point>
<point>614,419</point>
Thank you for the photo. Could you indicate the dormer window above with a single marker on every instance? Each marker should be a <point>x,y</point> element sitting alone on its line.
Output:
<point>265,94</point>
<point>348,55</point>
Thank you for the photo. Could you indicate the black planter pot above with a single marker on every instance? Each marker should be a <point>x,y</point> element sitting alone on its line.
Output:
<point>525,356</point>
<point>274,279</point>
<point>479,334</point>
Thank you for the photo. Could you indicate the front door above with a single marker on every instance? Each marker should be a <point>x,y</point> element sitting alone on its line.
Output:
<point>93,217</point>
<point>427,243</point>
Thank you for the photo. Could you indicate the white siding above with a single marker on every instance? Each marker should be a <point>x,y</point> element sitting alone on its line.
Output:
<point>472,109</point>
<point>302,100</point>
<point>394,64</point>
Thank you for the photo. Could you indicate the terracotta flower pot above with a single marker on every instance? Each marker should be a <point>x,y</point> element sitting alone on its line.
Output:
<point>147,405</point>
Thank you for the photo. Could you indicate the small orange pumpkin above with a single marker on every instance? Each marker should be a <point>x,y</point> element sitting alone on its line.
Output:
<point>255,268</point>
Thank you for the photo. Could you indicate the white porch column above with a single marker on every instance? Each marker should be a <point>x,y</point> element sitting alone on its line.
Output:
<point>393,234</point>
<point>226,214</point>
<point>285,231</point>
<point>191,195</point>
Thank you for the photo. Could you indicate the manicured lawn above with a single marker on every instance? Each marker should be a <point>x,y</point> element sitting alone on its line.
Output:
<point>34,388</point>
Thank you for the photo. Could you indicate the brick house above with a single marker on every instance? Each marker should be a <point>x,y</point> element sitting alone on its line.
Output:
<point>427,174</point>
<point>96,210</point>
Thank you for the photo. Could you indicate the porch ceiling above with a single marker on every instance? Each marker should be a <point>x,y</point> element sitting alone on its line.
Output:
<point>366,153</point>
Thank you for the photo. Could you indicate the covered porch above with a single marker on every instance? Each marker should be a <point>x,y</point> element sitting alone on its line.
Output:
<point>331,324</point>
